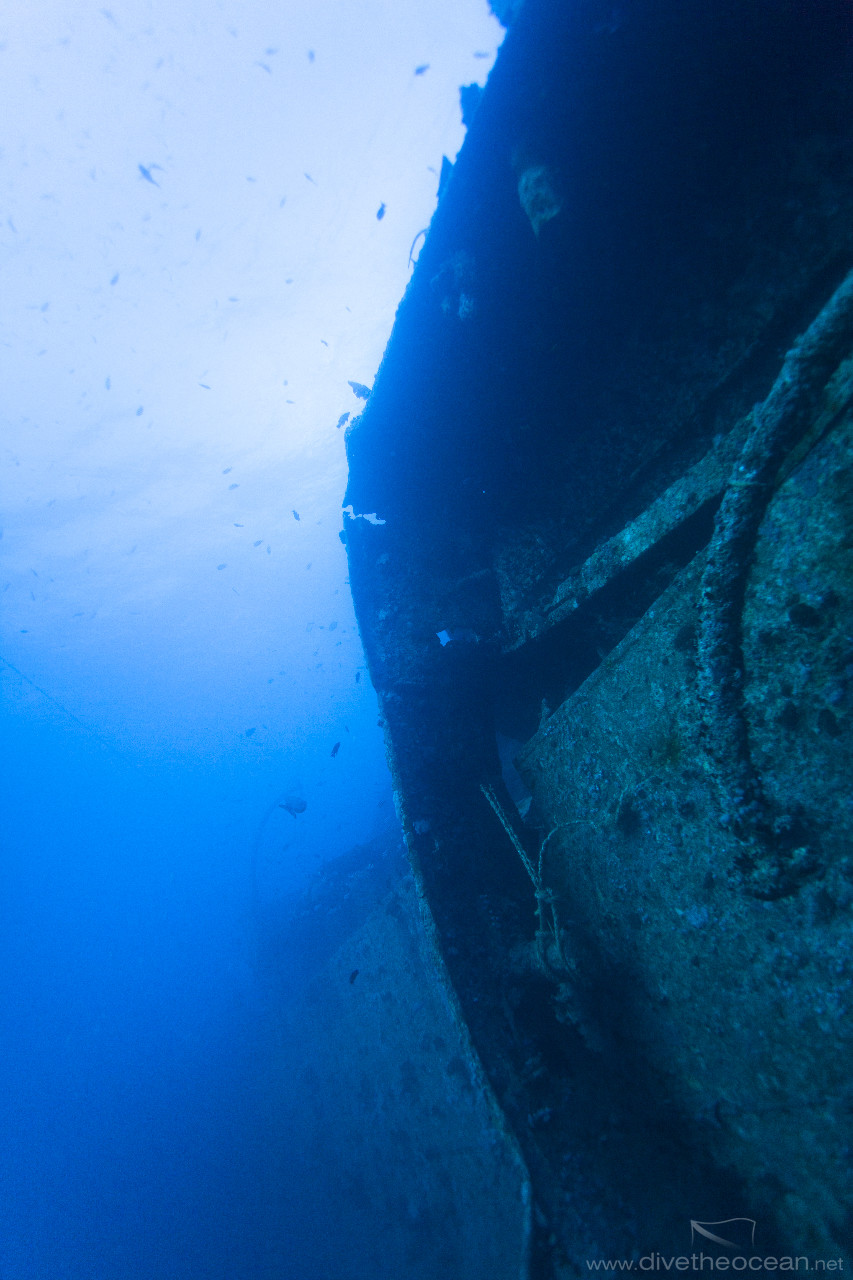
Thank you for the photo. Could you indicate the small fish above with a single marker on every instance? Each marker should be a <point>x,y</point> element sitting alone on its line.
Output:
<point>205,385</point>
<point>239,526</point>
<point>380,212</point>
<point>353,976</point>
<point>296,515</point>
<point>258,543</point>
<point>419,71</point>
<point>114,279</point>
<point>359,389</point>
<point>358,677</point>
<point>107,384</point>
<point>146,173</point>
<point>249,732</point>
<point>140,411</point>
<point>324,342</point>
<point>342,419</point>
<point>264,67</point>
<point>227,469</point>
<point>294,805</point>
<point>335,749</point>
<point>233,486</point>
<point>222,566</point>
<point>310,179</point>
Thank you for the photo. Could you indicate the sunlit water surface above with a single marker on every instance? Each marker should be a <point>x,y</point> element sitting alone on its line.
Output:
<point>194,268</point>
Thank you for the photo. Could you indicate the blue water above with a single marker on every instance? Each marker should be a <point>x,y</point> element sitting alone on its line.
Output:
<point>141,1133</point>
<point>195,269</point>
<point>150,1109</point>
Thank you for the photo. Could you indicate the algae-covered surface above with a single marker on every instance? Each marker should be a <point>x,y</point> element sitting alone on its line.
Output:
<point>406,1168</point>
<point>606,470</point>
<point>739,1004</point>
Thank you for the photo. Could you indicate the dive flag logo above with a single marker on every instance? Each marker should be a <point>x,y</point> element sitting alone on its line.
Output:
<point>743,1229</point>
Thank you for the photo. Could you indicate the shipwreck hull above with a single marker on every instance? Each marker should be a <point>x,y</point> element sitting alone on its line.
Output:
<point>607,465</point>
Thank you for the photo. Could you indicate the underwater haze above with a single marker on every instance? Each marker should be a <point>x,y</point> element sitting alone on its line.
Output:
<point>207,214</point>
